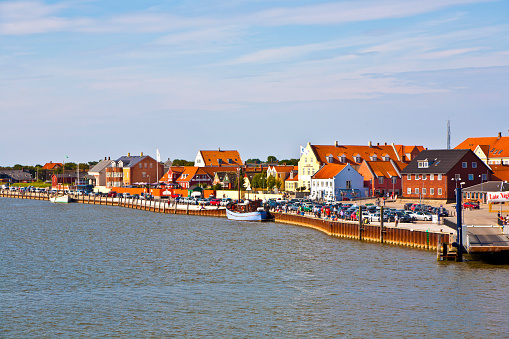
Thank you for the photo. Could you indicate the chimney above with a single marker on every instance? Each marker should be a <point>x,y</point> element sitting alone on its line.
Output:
<point>336,143</point>
<point>370,144</point>
<point>219,149</point>
<point>499,135</point>
<point>378,144</point>
<point>385,144</point>
<point>105,158</point>
<point>109,158</point>
<point>128,154</point>
<point>141,154</point>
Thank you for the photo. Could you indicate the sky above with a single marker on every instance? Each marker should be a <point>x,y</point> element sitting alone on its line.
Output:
<point>89,79</point>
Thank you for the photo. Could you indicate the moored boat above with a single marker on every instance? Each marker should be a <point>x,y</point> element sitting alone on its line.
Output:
<point>61,199</point>
<point>249,211</point>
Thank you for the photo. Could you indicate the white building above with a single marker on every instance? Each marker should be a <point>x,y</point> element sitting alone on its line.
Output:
<point>337,181</point>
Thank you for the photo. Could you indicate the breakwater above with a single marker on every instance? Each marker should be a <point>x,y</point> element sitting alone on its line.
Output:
<point>420,239</point>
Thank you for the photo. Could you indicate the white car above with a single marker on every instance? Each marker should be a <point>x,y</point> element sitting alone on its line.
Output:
<point>421,216</point>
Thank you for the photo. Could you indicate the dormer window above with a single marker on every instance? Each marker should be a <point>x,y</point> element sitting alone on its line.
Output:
<point>342,158</point>
<point>374,157</point>
<point>219,161</point>
<point>113,164</point>
<point>120,164</point>
<point>330,158</point>
<point>385,157</point>
<point>423,163</point>
<point>230,161</point>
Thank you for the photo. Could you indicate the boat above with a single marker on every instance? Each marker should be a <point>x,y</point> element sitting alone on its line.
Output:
<point>61,199</point>
<point>249,211</point>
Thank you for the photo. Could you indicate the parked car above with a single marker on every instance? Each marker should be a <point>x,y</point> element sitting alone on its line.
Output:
<point>421,216</point>
<point>112,194</point>
<point>215,202</point>
<point>471,205</point>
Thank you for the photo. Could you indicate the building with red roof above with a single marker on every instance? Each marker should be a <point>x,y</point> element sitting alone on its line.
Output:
<point>382,177</point>
<point>337,182</point>
<point>491,150</point>
<point>218,158</point>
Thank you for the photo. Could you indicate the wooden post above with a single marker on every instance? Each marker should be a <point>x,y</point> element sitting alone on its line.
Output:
<point>360,222</point>
<point>187,212</point>
<point>382,225</point>
<point>175,207</point>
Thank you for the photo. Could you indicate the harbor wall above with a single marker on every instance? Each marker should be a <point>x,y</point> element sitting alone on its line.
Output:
<point>337,228</point>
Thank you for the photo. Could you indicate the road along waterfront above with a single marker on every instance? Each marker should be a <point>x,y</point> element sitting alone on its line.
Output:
<point>75,270</point>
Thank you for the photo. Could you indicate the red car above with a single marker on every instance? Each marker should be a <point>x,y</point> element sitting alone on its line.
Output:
<point>112,194</point>
<point>470,204</point>
<point>215,202</point>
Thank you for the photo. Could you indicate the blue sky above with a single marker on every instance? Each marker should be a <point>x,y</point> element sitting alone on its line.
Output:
<point>90,79</point>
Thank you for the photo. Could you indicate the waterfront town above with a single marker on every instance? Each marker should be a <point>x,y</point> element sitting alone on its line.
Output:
<point>335,172</point>
<point>325,173</point>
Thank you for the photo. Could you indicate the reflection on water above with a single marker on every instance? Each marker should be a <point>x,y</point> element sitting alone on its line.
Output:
<point>86,271</point>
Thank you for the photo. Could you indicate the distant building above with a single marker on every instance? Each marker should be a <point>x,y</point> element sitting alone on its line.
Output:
<point>314,157</point>
<point>97,174</point>
<point>337,182</point>
<point>382,177</point>
<point>491,150</point>
<point>15,176</point>
<point>435,174</point>
<point>132,170</point>
<point>218,158</point>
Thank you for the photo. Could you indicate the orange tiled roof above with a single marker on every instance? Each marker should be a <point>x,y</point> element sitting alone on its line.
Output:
<point>500,172</point>
<point>350,151</point>
<point>383,169</point>
<point>189,172</point>
<point>211,158</point>
<point>281,169</point>
<point>497,147</point>
<point>52,165</point>
<point>328,171</point>
<point>295,178</point>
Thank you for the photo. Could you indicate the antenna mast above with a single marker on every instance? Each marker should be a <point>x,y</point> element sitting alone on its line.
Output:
<point>448,134</point>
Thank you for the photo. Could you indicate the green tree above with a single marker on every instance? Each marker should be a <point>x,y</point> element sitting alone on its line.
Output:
<point>271,182</point>
<point>70,166</point>
<point>182,162</point>
<point>17,167</point>
<point>92,163</point>
<point>253,161</point>
<point>271,158</point>
<point>289,162</point>
<point>217,187</point>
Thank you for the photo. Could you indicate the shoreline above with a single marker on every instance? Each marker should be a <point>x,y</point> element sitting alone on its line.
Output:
<point>421,236</point>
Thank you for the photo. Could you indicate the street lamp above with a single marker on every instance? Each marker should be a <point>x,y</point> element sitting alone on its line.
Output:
<point>482,198</point>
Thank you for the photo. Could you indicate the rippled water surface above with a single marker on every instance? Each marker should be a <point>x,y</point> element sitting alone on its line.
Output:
<point>90,271</point>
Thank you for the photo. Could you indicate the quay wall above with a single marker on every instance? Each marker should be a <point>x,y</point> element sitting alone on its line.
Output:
<point>337,228</point>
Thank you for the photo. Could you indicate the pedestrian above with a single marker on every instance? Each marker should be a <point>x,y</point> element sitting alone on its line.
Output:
<point>396,219</point>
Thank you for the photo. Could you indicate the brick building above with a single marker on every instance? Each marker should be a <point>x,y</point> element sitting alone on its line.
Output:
<point>435,174</point>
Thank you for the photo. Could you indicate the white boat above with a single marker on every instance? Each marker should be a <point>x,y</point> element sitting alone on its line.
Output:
<point>61,199</point>
<point>246,216</point>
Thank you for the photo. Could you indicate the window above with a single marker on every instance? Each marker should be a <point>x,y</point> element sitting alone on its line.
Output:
<point>423,190</point>
<point>409,177</point>
<point>343,158</point>
<point>474,165</point>
<point>424,177</point>
<point>380,180</point>
<point>431,177</point>
<point>439,191</point>
<point>470,177</point>
<point>394,179</point>
<point>417,190</point>
<point>417,177</point>
<point>439,177</point>
<point>464,164</point>
<point>143,174</point>
<point>432,191</point>
<point>145,165</point>
<point>348,184</point>
<point>409,190</point>
<point>484,177</point>
<point>151,165</point>
<point>140,165</point>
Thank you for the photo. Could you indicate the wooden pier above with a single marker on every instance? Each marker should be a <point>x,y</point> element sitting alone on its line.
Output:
<point>432,241</point>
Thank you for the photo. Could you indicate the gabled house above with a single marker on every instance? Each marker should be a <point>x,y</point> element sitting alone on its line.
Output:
<point>282,173</point>
<point>129,170</point>
<point>225,179</point>
<point>292,182</point>
<point>382,178</point>
<point>435,174</point>
<point>98,172</point>
<point>15,176</point>
<point>52,166</point>
<point>491,150</point>
<point>193,176</point>
<point>218,158</point>
<point>172,174</point>
<point>313,157</point>
<point>337,182</point>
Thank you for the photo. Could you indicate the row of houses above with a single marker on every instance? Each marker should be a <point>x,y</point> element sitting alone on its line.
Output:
<point>328,171</point>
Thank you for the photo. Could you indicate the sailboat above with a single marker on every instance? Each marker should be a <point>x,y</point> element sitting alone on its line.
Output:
<point>248,211</point>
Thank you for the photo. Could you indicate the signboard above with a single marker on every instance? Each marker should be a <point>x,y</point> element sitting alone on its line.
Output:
<point>498,196</point>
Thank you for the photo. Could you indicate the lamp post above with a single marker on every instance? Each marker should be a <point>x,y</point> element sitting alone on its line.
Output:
<point>482,197</point>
